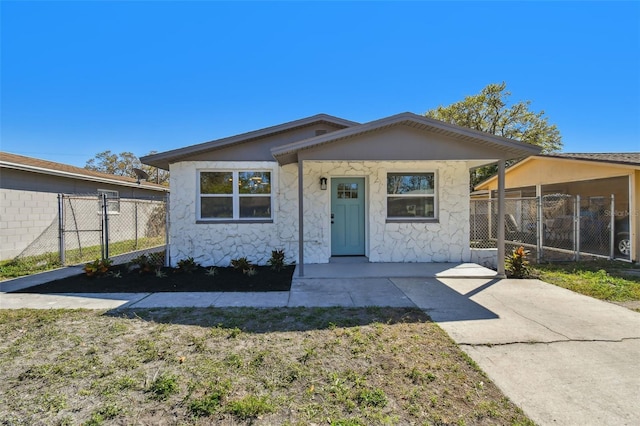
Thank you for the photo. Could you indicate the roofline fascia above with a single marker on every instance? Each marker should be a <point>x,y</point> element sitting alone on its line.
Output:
<point>60,173</point>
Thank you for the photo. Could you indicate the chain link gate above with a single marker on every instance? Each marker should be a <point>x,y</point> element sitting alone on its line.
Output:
<point>555,227</point>
<point>94,226</point>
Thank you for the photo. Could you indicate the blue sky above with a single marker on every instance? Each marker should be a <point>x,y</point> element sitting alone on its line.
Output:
<point>86,76</point>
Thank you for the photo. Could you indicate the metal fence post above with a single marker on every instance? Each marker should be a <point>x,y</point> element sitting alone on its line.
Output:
<point>105,227</point>
<point>577,228</point>
<point>612,230</point>
<point>167,253</point>
<point>61,244</point>
<point>540,226</point>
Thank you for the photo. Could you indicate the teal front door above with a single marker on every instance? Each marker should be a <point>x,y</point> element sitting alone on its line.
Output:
<point>347,217</point>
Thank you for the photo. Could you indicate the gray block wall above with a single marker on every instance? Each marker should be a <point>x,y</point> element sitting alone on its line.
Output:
<point>24,215</point>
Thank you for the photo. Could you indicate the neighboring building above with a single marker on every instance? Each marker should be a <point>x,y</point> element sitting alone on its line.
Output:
<point>595,177</point>
<point>29,200</point>
<point>393,190</point>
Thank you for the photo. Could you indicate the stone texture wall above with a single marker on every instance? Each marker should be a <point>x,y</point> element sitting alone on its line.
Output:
<point>444,241</point>
<point>24,215</point>
<point>216,244</point>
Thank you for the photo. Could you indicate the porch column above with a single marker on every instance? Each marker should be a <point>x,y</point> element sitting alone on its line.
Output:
<point>300,220</point>
<point>501,209</point>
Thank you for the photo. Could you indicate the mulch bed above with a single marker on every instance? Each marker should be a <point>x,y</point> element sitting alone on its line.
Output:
<point>226,279</point>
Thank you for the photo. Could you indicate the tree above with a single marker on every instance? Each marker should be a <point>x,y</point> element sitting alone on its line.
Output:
<point>123,164</point>
<point>490,112</point>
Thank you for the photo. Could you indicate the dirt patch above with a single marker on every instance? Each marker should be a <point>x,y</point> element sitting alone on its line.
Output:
<point>120,279</point>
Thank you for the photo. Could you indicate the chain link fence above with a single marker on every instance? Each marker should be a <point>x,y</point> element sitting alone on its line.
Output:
<point>95,226</point>
<point>553,227</point>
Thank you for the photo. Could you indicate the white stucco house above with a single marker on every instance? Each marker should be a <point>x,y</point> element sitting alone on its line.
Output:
<point>393,190</point>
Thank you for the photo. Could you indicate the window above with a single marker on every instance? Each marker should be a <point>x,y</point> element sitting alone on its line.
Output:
<point>113,201</point>
<point>235,195</point>
<point>411,196</point>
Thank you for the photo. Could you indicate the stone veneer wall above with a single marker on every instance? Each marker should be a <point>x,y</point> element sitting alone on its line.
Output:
<point>216,244</point>
<point>444,241</point>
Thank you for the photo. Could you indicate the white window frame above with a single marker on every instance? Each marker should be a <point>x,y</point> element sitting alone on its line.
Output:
<point>235,195</point>
<point>411,218</point>
<point>113,199</point>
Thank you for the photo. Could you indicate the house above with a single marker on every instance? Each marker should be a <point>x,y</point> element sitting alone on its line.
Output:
<point>394,190</point>
<point>607,186</point>
<point>29,189</point>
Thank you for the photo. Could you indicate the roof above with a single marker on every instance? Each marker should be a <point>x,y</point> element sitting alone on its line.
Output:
<point>286,154</point>
<point>630,158</point>
<point>36,165</point>
<point>163,159</point>
<point>622,159</point>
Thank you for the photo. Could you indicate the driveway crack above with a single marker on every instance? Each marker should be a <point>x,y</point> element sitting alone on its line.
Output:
<point>548,342</point>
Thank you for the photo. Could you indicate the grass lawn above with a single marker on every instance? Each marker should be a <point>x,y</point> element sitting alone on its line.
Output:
<point>323,366</point>
<point>613,281</point>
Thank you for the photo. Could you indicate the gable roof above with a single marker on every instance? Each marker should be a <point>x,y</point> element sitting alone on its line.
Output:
<point>512,149</point>
<point>621,159</point>
<point>36,165</point>
<point>163,159</point>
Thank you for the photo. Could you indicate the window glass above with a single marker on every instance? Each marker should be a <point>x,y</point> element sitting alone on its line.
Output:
<point>216,183</point>
<point>254,182</point>
<point>216,207</point>
<point>419,183</point>
<point>410,207</point>
<point>259,207</point>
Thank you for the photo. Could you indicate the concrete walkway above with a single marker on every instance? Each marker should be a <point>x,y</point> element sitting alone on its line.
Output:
<point>562,357</point>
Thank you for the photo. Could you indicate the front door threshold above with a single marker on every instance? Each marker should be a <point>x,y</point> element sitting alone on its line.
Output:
<point>348,259</point>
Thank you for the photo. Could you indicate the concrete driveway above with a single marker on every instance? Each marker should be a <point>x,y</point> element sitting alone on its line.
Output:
<point>564,358</point>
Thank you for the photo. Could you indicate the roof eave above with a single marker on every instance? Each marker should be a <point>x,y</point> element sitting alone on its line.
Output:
<point>60,173</point>
<point>164,159</point>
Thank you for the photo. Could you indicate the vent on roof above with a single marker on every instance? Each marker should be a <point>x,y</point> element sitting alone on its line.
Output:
<point>320,132</point>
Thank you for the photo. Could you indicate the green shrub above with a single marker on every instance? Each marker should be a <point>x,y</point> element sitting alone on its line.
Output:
<point>242,264</point>
<point>97,268</point>
<point>187,265</point>
<point>517,263</point>
<point>277,260</point>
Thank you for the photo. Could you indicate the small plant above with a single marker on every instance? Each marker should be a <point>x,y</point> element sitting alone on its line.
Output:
<point>116,274</point>
<point>277,260</point>
<point>251,271</point>
<point>160,273</point>
<point>163,387</point>
<point>145,264</point>
<point>250,407</point>
<point>212,272</point>
<point>97,268</point>
<point>517,263</point>
<point>242,264</point>
<point>187,265</point>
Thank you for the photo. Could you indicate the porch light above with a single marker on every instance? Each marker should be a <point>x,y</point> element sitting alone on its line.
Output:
<point>323,183</point>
